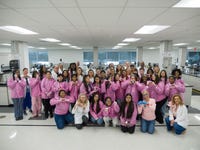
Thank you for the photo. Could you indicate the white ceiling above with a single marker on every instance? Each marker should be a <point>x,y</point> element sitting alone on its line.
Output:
<point>102,23</point>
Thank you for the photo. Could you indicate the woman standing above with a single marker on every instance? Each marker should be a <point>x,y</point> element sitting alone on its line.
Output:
<point>35,94</point>
<point>17,85</point>
<point>47,94</point>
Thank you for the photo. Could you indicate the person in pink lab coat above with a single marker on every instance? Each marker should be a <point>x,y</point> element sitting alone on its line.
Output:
<point>110,112</point>
<point>17,85</point>
<point>128,114</point>
<point>47,93</point>
<point>36,94</point>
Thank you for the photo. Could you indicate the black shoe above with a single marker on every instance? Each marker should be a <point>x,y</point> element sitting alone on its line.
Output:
<point>51,115</point>
<point>30,110</point>
<point>25,112</point>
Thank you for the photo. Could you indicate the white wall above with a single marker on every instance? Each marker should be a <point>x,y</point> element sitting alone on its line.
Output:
<point>5,55</point>
<point>67,56</point>
<point>153,56</point>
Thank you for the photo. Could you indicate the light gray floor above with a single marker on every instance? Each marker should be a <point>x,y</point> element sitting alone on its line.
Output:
<point>43,135</point>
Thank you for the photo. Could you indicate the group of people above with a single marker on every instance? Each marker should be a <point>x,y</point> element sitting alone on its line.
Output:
<point>113,96</point>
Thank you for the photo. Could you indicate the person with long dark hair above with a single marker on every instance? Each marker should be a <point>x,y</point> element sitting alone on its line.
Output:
<point>36,94</point>
<point>128,114</point>
<point>86,86</point>
<point>95,109</point>
<point>17,85</point>
<point>156,89</point>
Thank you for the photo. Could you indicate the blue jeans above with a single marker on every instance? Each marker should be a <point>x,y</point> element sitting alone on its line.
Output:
<point>61,120</point>
<point>27,101</point>
<point>177,128</point>
<point>99,121</point>
<point>18,107</point>
<point>147,126</point>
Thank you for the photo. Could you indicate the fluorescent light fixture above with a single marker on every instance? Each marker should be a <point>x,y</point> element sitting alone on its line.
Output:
<point>180,44</point>
<point>117,47</point>
<point>18,30</point>
<point>64,44</point>
<point>151,29</point>
<point>42,48</point>
<point>31,47</point>
<point>198,41</point>
<point>49,40</point>
<point>190,47</point>
<point>75,47</point>
<point>122,44</point>
<point>153,48</point>
<point>5,44</point>
<point>131,39</point>
<point>188,4</point>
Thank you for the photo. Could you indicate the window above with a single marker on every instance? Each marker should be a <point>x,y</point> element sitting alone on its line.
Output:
<point>37,57</point>
<point>110,57</point>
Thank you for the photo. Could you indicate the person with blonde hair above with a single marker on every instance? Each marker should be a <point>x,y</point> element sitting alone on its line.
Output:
<point>178,115</point>
<point>81,110</point>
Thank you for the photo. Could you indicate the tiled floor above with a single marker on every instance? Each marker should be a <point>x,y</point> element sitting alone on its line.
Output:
<point>43,134</point>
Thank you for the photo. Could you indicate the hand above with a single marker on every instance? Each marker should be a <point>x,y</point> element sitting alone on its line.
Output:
<point>172,122</point>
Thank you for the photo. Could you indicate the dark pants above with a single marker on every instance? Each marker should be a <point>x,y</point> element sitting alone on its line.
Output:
<point>85,121</point>
<point>18,107</point>
<point>128,129</point>
<point>158,112</point>
<point>27,101</point>
<point>62,120</point>
<point>177,128</point>
<point>47,108</point>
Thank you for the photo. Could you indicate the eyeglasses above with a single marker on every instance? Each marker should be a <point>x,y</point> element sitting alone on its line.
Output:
<point>145,94</point>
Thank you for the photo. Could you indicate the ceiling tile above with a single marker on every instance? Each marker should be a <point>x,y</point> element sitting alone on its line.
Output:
<point>48,16</point>
<point>97,17</point>
<point>151,3</point>
<point>74,15</point>
<point>134,18</point>
<point>175,15</point>
<point>64,3</point>
<point>101,3</point>
<point>27,3</point>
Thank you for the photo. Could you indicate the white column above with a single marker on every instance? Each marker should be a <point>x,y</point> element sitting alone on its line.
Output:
<point>139,55</point>
<point>95,56</point>
<point>165,56</point>
<point>19,51</point>
<point>182,56</point>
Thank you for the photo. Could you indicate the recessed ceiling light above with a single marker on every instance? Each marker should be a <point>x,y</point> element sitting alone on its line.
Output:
<point>42,48</point>
<point>49,40</point>
<point>190,47</point>
<point>151,29</point>
<point>153,48</point>
<point>30,47</point>
<point>18,30</point>
<point>188,4</point>
<point>131,39</point>
<point>75,47</point>
<point>117,47</point>
<point>122,44</point>
<point>5,44</point>
<point>64,44</point>
<point>180,44</point>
